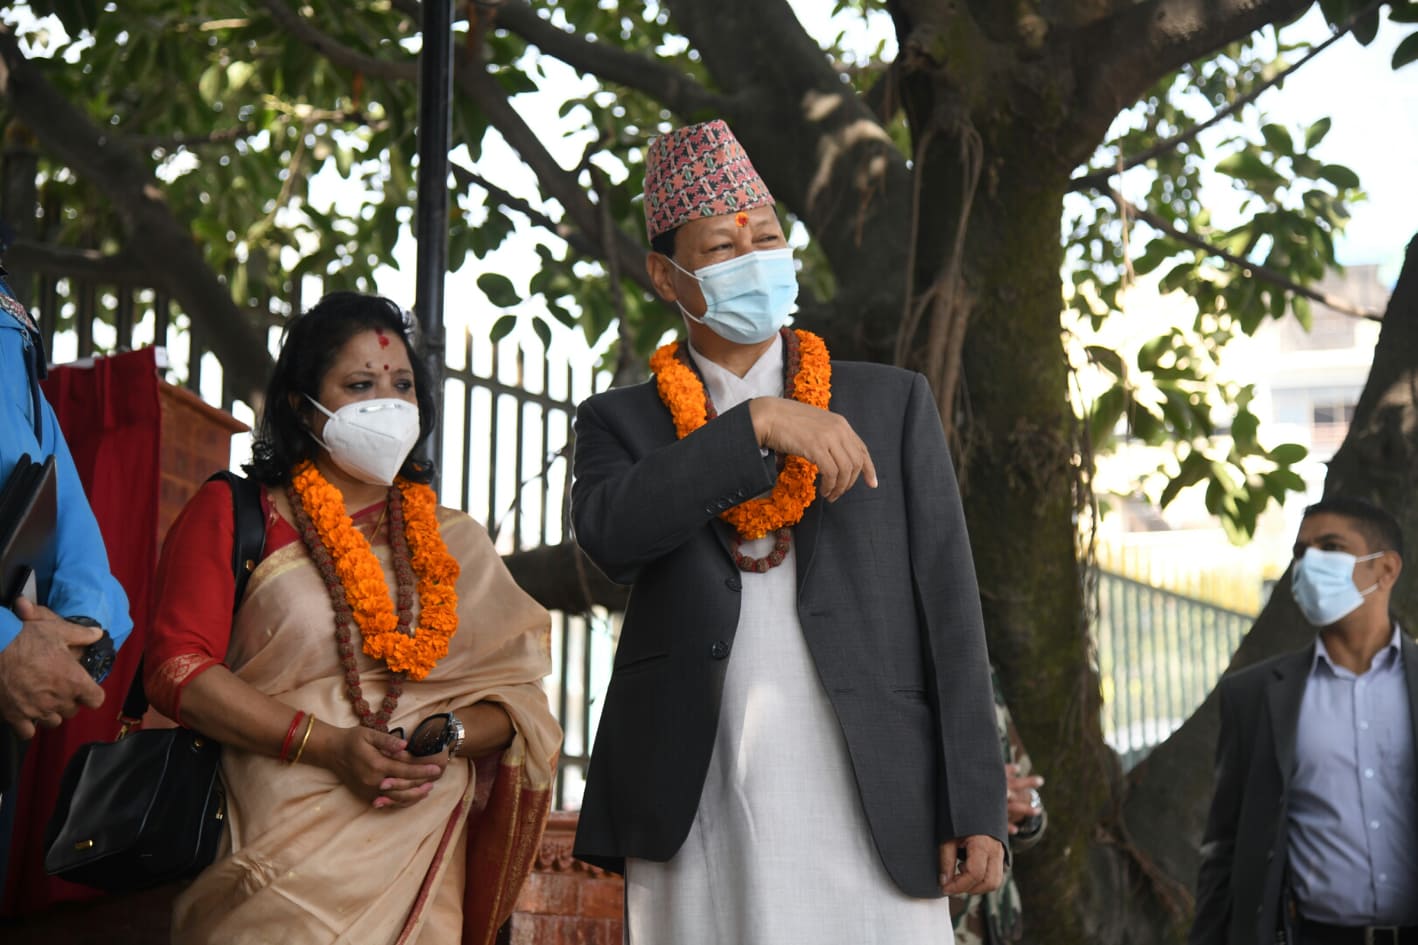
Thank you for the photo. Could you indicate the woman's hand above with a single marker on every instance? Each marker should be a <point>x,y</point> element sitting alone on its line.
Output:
<point>374,765</point>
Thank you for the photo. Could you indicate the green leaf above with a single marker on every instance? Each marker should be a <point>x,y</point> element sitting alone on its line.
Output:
<point>1249,166</point>
<point>1278,139</point>
<point>1367,28</point>
<point>1316,132</point>
<point>1404,11</point>
<point>1281,481</point>
<point>502,328</point>
<point>1243,430</point>
<point>1340,176</point>
<point>543,331</point>
<point>1106,358</point>
<point>1193,469</point>
<point>1406,52</point>
<point>1106,411</point>
<point>1288,454</point>
<point>238,74</point>
<point>498,289</point>
<point>210,85</point>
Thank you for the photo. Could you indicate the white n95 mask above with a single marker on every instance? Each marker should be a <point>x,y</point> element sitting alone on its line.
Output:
<point>1322,583</point>
<point>370,439</point>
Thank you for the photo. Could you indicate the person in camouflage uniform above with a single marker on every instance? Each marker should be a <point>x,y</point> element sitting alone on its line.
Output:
<point>997,917</point>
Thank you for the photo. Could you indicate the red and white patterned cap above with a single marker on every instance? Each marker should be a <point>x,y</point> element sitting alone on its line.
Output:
<point>698,171</point>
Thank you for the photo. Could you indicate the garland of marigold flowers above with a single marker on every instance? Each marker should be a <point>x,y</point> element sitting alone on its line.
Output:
<point>689,404</point>
<point>414,535</point>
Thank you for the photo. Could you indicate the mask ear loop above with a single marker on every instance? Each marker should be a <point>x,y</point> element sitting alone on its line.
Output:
<point>1375,586</point>
<point>311,430</point>
<point>680,305</point>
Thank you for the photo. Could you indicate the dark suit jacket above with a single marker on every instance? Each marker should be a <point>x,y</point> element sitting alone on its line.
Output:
<point>1247,833</point>
<point>886,596</point>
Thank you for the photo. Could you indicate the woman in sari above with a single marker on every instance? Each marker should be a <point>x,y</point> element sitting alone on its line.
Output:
<point>372,612</point>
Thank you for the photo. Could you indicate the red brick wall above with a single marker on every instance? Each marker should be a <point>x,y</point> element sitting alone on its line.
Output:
<point>565,901</point>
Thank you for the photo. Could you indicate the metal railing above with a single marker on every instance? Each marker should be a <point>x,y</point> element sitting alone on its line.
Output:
<point>1159,655</point>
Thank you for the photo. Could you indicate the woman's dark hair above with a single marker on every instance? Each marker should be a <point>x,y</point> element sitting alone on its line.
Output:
<point>308,349</point>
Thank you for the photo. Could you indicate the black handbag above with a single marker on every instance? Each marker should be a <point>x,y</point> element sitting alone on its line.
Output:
<point>150,807</point>
<point>141,811</point>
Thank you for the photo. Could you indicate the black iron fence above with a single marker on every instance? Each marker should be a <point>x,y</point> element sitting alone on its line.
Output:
<point>1159,654</point>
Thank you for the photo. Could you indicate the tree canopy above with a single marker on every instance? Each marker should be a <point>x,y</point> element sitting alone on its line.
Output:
<point>178,139</point>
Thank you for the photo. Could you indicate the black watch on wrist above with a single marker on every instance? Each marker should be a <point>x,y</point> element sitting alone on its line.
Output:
<point>98,656</point>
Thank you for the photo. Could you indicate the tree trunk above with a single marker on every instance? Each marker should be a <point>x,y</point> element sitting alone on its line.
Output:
<point>1016,456</point>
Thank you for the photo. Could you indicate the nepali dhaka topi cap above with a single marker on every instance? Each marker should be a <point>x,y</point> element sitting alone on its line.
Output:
<point>698,171</point>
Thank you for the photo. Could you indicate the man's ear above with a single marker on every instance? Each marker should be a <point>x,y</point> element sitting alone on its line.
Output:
<point>1392,566</point>
<point>661,272</point>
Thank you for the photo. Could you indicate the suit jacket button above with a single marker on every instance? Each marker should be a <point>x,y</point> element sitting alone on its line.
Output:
<point>733,583</point>
<point>720,650</point>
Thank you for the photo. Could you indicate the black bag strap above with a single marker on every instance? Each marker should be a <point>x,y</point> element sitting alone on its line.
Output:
<point>249,529</point>
<point>248,540</point>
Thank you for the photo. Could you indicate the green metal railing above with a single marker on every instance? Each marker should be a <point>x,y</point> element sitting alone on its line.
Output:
<point>1159,655</point>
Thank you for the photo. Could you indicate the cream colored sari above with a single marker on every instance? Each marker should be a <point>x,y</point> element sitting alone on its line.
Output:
<point>305,860</point>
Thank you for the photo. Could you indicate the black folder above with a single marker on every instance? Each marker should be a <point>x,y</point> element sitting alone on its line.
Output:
<point>28,509</point>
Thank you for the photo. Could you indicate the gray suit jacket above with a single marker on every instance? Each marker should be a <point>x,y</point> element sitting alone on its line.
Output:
<point>1238,897</point>
<point>886,596</point>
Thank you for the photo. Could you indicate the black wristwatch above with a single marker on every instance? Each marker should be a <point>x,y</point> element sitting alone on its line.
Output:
<point>99,655</point>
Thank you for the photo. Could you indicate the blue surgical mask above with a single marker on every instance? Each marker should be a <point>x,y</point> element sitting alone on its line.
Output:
<point>1322,583</point>
<point>748,297</point>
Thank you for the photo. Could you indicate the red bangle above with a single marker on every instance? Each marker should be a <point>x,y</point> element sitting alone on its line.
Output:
<point>290,735</point>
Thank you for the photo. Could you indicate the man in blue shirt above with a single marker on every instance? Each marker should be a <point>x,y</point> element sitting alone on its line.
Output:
<point>1313,833</point>
<point>41,680</point>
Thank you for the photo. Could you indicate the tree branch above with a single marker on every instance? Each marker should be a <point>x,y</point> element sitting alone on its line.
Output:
<point>561,185</point>
<point>1099,179</point>
<point>664,83</point>
<point>1120,57</point>
<point>1163,225</point>
<point>576,240</point>
<point>171,257</point>
<point>47,259</point>
<point>173,142</point>
<point>472,79</point>
<point>338,53</point>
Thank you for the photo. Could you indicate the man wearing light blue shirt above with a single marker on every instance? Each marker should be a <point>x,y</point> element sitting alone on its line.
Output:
<point>41,680</point>
<point>1313,832</point>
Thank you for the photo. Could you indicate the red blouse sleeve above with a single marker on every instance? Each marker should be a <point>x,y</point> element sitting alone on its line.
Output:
<point>193,598</point>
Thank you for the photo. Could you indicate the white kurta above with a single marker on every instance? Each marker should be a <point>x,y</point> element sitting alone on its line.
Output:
<point>780,852</point>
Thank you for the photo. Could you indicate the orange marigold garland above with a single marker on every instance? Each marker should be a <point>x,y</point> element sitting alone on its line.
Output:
<point>365,588</point>
<point>684,394</point>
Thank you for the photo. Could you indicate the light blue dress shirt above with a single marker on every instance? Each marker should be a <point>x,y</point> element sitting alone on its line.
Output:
<point>75,581</point>
<point>1353,826</point>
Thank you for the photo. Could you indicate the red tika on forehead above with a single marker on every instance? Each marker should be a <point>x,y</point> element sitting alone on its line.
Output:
<point>383,341</point>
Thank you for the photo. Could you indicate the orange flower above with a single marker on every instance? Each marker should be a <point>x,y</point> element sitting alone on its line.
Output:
<point>365,588</point>
<point>683,393</point>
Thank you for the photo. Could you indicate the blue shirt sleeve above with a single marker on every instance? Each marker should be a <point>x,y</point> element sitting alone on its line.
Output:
<point>80,584</point>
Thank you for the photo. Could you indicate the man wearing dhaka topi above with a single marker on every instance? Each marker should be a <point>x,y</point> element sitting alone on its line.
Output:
<point>798,742</point>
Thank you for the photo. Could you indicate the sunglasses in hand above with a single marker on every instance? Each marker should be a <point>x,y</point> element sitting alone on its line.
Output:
<point>439,732</point>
